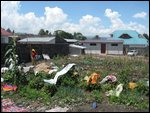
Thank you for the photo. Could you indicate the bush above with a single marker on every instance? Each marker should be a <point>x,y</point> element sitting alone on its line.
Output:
<point>34,94</point>
<point>50,89</point>
<point>97,95</point>
<point>37,81</point>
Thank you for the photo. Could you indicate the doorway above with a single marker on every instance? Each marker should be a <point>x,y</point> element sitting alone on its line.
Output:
<point>103,48</point>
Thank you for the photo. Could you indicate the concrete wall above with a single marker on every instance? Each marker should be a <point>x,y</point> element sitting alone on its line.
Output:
<point>116,50</point>
<point>92,49</point>
<point>109,49</point>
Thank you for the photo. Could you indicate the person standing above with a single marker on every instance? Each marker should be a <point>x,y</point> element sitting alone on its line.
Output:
<point>33,56</point>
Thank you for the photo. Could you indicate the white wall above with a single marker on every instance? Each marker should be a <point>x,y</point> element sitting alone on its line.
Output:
<point>4,39</point>
<point>92,49</point>
<point>114,49</point>
<point>109,49</point>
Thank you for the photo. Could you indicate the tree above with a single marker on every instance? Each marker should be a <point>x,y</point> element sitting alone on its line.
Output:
<point>79,36</point>
<point>146,36</point>
<point>8,30</point>
<point>63,34</point>
<point>41,32</point>
<point>96,37</point>
<point>49,34</point>
<point>46,32</point>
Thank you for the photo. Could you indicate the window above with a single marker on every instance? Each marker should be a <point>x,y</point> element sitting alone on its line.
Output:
<point>126,36</point>
<point>114,44</point>
<point>92,44</point>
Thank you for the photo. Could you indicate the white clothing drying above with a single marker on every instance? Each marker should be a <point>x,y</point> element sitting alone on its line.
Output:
<point>116,92</point>
<point>62,72</point>
<point>46,57</point>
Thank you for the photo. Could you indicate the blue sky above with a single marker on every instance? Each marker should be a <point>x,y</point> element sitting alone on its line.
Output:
<point>75,10</point>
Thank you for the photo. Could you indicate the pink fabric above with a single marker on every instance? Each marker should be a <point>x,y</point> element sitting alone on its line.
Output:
<point>112,78</point>
<point>8,106</point>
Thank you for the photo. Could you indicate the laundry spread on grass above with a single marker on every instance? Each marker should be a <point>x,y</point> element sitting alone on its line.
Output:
<point>110,77</point>
<point>115,92</point>
<point>92,79</point>
<point>132,85</point>
<point>8,87</point>
<point>9,106</point>
<point>60,73</point>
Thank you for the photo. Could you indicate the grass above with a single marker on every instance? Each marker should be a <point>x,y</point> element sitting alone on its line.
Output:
<point>72,90</point>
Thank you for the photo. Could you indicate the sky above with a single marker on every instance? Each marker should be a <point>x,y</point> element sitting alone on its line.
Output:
<point>88,17</point>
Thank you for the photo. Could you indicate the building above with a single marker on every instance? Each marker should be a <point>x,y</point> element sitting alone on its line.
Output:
<point>76,49</point>
<point>37,40</point>
<point>5,36</point>
<point>103,46</point>
<point>131,40</point>
<point>71,41</point>
<point>51,46</point>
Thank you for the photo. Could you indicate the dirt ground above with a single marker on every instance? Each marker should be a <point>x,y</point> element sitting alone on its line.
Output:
<point>105,108</point>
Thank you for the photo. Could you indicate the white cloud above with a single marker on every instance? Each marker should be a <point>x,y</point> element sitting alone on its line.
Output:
<point>140,15</point>
<point>114,18</point>
<point>55,18</point>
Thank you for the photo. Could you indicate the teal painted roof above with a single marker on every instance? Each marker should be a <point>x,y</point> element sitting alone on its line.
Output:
<point>135,39</point>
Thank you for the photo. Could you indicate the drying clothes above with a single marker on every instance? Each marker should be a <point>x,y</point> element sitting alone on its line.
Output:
<point>93,78</point>
<point>7,87</point>
<point>86,78</point>
<point>132,85</point>
<point>46,57</point>
<point>147,83</point>
<point>8,106</point>
<point>115,92</point>
<point>60,73</point>
<point>111,78</point>
<point>2,80</point>
<point>7,102</point>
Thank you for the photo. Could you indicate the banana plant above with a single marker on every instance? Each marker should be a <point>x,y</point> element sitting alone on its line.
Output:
<point>11,60</point>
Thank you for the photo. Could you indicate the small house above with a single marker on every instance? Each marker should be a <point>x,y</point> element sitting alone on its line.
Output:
<point>103,46</point>
<point>131,40</point>
<point>5,36</point>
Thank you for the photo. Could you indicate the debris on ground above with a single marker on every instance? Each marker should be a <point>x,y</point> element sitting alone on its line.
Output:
<point>42,67</point>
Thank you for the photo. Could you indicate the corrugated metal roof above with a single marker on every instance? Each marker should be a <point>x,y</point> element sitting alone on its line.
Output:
<point>71,40</point>
<point>5,33</point>
<point>37,39</point>
<point>135,39</point>
<point>77,46</point>
<point>104,40</point>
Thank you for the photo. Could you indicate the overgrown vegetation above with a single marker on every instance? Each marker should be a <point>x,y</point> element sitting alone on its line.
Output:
<point>71,88</point>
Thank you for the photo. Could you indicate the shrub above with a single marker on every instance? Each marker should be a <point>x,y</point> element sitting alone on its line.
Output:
<point>37,81</point>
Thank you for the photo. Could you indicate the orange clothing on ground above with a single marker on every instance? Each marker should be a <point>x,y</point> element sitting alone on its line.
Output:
<point>132,85</point>
<point>93,78</point>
